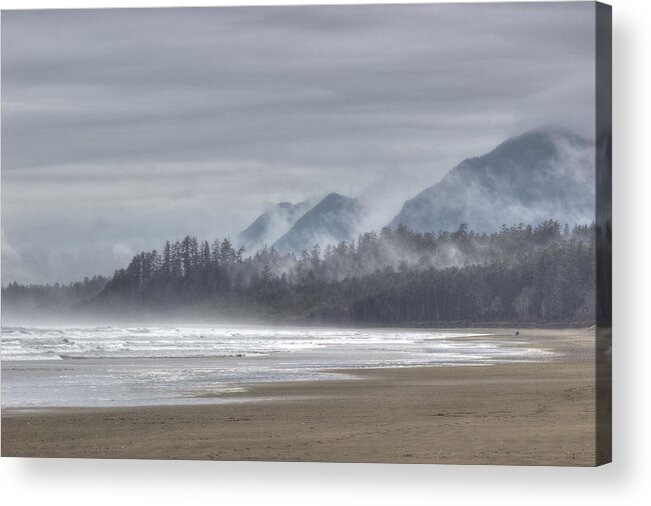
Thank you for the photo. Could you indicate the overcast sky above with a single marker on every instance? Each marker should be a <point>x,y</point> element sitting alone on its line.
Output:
<point>123,128</point>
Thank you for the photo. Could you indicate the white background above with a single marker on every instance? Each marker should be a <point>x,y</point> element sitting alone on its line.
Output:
<point>626,481</point>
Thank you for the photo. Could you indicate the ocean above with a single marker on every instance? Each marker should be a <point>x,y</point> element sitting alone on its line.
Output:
<point>110,366</point>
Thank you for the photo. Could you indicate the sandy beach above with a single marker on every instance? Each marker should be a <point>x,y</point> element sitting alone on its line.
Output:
<point>537,413</point>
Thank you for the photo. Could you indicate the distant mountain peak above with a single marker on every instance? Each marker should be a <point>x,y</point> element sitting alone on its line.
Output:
<point>552,129</point>
<point>334,197</point>
<point>547,172</point>
<point>270,225</point>
<point>335,218</point>
<point>545,137</point>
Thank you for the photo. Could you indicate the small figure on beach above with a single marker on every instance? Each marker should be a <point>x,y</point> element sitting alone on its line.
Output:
<point>517,333</point>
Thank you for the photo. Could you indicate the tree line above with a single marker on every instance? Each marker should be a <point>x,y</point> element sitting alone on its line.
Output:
<point>524,273</point>
<point>43,299</point>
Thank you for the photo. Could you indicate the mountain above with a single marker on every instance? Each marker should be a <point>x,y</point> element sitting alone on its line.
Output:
<point>271,225</point>
<point>545,173</point>
<point>336,218</point>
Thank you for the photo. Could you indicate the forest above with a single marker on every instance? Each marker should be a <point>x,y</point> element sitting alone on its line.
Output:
<point>542,274</point>
<point>49,300</point>
<point>526,274</point>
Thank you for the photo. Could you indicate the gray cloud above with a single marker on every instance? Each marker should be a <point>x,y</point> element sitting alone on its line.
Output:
<point>121,128</point>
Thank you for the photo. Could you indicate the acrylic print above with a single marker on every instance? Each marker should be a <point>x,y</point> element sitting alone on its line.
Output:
<point>309,233</point>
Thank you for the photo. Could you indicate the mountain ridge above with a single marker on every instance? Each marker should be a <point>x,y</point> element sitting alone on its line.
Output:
<point>334,219</point>
<point>545,172</point>
<point>271,224</point>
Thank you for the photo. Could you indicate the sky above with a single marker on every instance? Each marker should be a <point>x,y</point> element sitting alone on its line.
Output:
<point>124,128</point>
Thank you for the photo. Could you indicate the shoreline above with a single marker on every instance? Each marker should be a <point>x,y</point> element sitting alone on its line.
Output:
<point>543,339</point>
<point>528,413</point>
<point>307,323</point>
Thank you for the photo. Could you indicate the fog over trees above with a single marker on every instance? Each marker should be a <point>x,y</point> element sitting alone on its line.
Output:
<point>33,302</point>
<point>523,273</point>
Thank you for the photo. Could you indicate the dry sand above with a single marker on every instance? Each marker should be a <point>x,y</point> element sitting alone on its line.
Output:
<point>520,413</point>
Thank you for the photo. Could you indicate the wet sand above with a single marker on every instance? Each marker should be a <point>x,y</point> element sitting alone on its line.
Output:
<point>539,413</point>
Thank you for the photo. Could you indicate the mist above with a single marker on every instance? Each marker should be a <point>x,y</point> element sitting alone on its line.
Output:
<point>506,275</point>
